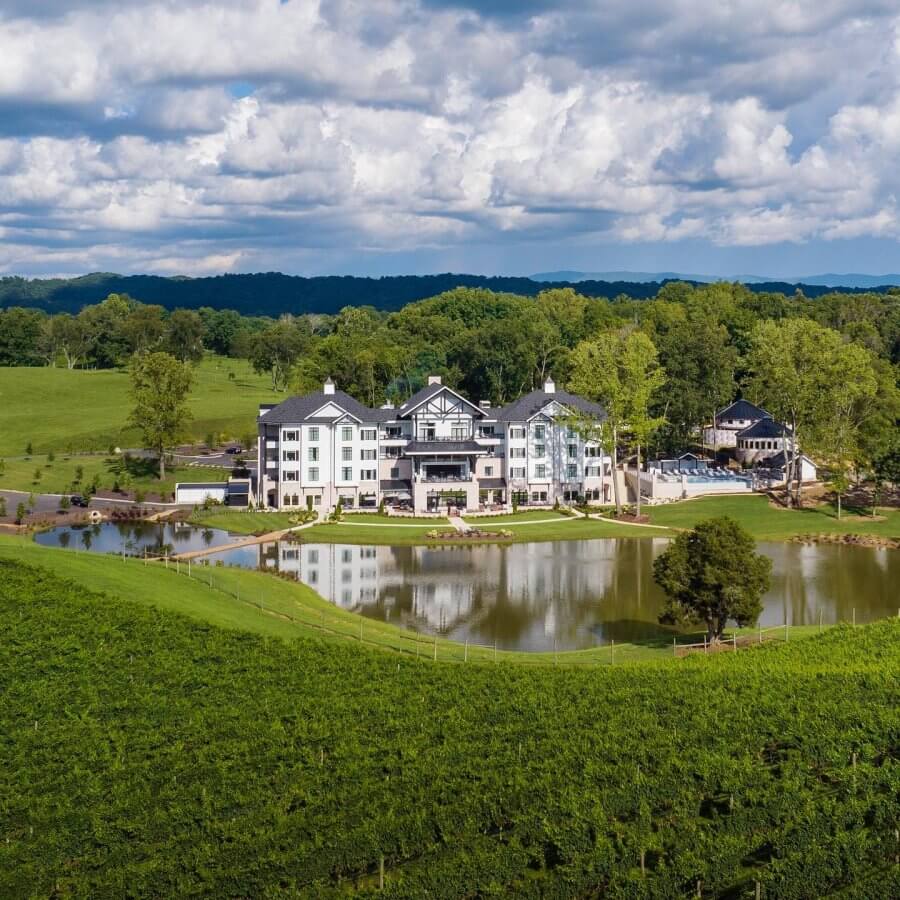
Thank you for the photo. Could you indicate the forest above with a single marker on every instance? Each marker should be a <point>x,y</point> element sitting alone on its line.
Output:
<point>274,294</point>
<point>707,345</point>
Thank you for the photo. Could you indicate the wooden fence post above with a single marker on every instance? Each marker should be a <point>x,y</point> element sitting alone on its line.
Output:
<point>381,872</point>
<point>435,648</point>
<point>466,655</point>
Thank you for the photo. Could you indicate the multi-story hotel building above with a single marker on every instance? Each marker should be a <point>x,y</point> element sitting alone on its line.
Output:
<point>436,450</point>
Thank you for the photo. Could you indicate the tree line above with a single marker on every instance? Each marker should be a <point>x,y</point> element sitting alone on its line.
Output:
<point>826,366</point>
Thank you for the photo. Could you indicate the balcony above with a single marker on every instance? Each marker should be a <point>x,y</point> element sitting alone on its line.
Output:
<point>444,479</point>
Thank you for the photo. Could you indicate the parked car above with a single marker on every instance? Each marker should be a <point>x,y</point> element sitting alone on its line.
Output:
<point>232,450</point>
<point>78,500</point>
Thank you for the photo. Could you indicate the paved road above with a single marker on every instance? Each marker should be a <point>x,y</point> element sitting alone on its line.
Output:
<point>49,503</point>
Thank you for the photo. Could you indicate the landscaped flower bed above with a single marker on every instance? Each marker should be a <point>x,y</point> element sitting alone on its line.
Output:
<point>473,534</point>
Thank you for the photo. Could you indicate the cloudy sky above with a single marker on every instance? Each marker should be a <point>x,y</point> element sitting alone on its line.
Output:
<point>408,136</point>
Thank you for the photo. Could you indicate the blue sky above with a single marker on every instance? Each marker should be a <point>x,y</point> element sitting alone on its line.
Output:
<point>395,136</point>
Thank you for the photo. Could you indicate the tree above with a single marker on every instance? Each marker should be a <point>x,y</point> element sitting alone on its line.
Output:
<point>184,335</point>
<point>794,372</point>
<point>276,350</point>
<point>20,336</point>
<point>596,375</point>
<point>642,377</point>
<point>2,507</point>
<point>21,512</point>
<point>144,327</point>
<point>852,385</point>
<point>885,470</point>
<point>712,574</point>
<point>160,385</point>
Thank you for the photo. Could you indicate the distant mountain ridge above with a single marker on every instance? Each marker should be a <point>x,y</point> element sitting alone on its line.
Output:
<point>847,280</point>
<point>273,294</point>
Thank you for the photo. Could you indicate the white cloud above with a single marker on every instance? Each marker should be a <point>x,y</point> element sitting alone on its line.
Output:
<point>260,130</point>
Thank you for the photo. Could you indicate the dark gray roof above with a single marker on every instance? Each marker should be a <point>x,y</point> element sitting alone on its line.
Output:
<point>301,409</point>
<point>441,447</point>
<point>491,484</point>
<point>742,409</point>
<point>765,428</point>
<point>426,393</point>
<point>525,407</point>
<point>780,461</point>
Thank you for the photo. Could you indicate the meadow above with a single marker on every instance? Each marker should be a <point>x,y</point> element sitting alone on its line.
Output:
<point>78,410</point>
<point>148,754</point>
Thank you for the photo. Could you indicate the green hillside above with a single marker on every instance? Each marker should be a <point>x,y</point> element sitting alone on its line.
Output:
<point>148,755</point>
<point>62,409</point>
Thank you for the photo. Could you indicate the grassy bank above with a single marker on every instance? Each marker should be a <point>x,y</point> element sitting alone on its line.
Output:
<point>58,409</point>
<point>151,755</point>
<point>135,474</point>
<point>264,604</point>
<point>766,521</point>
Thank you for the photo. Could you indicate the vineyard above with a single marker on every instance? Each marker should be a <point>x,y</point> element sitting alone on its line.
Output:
<point>148,755</point>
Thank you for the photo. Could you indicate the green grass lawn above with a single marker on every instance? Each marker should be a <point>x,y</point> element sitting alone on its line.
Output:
<point>138,473</point>
<point>767,522</point>
<point>243,522</point>
<point>265,604</point>
<point>376,519</point>
<point>147,754</point>
<point>60,409</point>
<point>531,515</point>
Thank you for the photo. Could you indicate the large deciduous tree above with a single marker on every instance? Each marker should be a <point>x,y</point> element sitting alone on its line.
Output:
<point>712,575</point>
<point>277,349</point>
<point>184,335</point>
<point>160,385</point>
<point>620,371</point>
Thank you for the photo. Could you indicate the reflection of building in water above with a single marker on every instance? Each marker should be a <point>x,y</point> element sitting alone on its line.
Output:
<point>344,574</point>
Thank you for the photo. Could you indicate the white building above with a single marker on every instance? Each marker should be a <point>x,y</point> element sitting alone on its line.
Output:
<point>436,450</point>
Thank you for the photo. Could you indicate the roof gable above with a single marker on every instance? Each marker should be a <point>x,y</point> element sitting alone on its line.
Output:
<point>432,392</point>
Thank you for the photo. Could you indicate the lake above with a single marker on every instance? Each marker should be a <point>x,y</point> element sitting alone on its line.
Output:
<point>571,594</point>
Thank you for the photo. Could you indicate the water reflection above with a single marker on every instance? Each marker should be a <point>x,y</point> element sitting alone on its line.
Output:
<point>568,594</point>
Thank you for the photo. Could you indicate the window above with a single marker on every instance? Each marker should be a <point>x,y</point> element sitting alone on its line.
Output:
<point>395,472</point>
<point>540,471</point>
<point>346,454</point>
<point>367,454</point>
<point>394,431</point>
<point>368,434</point>
<point>312,557</point>
<point>313,434</point>
<point>347,473</point>
<point>459,432</point>
<point>488,470</point>
<point>573,451</point>
<point>538,496</point>
<point>540,450</point>
<point>291,436</point>
<point>290,455</point>
<point>317,498</point>
<point>291,476</point>
<point>346,555</point>
<point>314,473</point>
<point>346,432</point>
<point>571,472</point>
<point>312,576</point>
<point>516,431</point>
<point>368,475</point>
<point>592,451</point>
<point>517,473</point>
<point>312,454</point>
<point>517,453</point>
<point>391,452</point>
<point>538,432</point>
<point>486,431</point>
<point>347,576</point>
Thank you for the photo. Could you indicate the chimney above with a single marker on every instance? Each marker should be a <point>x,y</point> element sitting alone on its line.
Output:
<point>484,404</point>
<point>549,386</point>
<point>328,387</point>
<point>434,379</point>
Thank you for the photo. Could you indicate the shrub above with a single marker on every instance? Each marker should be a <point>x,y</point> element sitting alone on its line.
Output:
<point>2,507</point>
<point>381,508</point>
<point>79,474</point>
<point>37,475</point>
<point>29,450</point>
<point>21,512</point>
<point>64,502</point>
<point>51,456</point>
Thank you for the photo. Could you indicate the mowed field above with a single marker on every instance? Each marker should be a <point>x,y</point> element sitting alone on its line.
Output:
<point>765,521</point>
<point>59,410</point>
